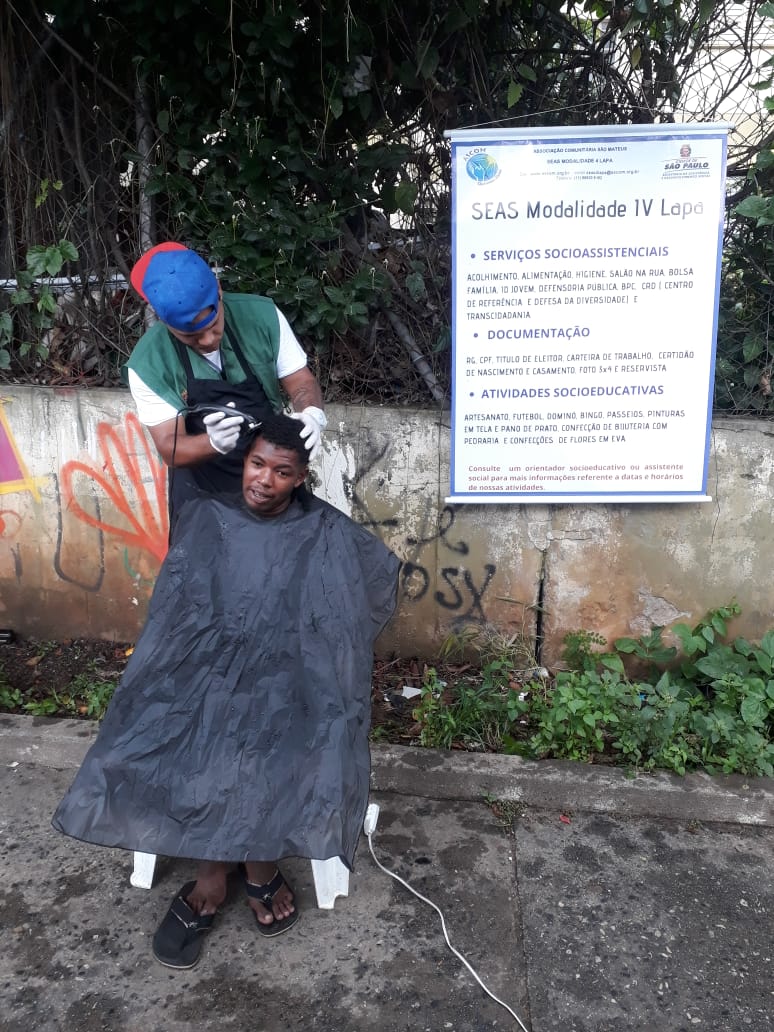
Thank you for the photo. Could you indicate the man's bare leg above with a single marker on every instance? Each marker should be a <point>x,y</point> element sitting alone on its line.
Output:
<point>282,905</point>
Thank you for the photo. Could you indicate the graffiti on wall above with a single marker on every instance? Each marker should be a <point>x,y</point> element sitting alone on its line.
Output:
<point>460,595</point>
<point>10,524</point>
<point>118,475</point>
<point>77,577</point>
<point>14,478</point>
<point>110,505</point>
<point>13,473</point>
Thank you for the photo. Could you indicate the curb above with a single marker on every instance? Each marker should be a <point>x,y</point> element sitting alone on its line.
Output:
<point>46,741</point>
<point>432,774</point>
<point>576,787</point>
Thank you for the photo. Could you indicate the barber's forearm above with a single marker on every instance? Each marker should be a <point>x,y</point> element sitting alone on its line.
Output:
<point>181,448</point>
<point>191,450</point>
<point>306,396</point>
<point>302,390</point>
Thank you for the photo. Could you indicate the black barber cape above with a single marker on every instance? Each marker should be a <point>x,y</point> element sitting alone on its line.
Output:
<point>239,730</point>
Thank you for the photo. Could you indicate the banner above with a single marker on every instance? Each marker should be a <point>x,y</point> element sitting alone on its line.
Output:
<point>584,312</point>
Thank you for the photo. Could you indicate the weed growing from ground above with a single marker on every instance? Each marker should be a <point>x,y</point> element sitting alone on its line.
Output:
<point>10,698</point>
<point>706,704</point>
<point>92,694</point>
<point>86,695</point>
<point>506,811</point>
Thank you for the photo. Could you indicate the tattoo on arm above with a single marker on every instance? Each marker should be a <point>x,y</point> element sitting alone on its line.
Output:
<point>303,390</point>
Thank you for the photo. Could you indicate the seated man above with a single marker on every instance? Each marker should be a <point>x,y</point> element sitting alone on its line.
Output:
<point>239,731</point>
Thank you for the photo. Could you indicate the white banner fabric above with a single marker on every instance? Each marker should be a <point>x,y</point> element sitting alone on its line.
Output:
<point>584,312</point>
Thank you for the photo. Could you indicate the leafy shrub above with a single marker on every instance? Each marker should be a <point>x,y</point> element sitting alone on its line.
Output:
<point>707,704</point>
<point>86,695</point>
<point>475,715</point>
<point>33,305</point>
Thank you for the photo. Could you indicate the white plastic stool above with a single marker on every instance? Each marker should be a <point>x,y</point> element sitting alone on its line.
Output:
<point>331,877</point>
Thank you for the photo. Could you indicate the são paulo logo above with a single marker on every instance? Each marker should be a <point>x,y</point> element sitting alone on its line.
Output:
<point>686,161</point>
<point>482,167</point>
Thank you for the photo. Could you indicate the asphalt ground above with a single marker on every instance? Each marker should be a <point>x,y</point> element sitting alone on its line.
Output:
<point>585,899</point>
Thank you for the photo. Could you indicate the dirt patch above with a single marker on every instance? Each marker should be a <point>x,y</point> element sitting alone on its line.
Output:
<point>75,678</point>
<point>70,678</point>
<point>46,665</point>
<point>391,713</point>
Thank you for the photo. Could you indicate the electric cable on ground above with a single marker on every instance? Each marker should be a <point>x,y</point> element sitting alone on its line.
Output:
<point>430,903</point>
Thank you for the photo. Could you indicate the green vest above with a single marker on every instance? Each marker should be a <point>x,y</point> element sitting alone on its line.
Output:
<point>253,321</point>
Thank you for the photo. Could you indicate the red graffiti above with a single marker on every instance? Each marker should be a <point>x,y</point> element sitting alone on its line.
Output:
<point>148,520</point>
<point>10,522</point>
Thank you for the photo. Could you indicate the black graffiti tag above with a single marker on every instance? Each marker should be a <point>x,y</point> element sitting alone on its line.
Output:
<point>414,581</point>
<point>71,578</point>
<point>475,610</point>
<point>414,576</point>
<point>360,510</point>
<point>446,520</point>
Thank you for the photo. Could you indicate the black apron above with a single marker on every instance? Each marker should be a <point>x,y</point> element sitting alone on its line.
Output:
<point>221,475</point>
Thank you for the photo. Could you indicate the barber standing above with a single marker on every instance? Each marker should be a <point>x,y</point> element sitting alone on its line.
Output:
<point>212,348</point>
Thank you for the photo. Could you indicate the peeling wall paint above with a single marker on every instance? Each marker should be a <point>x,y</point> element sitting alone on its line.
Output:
<point>83,529</point>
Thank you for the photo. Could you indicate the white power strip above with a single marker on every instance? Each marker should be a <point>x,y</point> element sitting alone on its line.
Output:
<point>371,817</point>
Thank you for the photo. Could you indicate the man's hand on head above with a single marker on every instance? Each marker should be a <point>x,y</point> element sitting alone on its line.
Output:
<point>314,422</point>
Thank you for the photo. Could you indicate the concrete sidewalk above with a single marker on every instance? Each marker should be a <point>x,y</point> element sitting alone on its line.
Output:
<point>586,900</point>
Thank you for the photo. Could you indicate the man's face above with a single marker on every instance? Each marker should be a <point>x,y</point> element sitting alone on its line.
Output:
<point>205,341</point>
<point>270,476</point>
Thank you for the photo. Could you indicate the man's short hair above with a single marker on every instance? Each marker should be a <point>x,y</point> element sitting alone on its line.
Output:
<point>282,432</point>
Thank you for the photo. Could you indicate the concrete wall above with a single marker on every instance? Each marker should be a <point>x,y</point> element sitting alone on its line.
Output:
<point>83,530</point>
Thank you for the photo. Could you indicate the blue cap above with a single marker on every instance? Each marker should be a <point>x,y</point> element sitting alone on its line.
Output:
<point>178,285</point>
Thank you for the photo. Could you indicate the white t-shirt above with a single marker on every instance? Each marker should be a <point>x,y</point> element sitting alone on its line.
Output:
<point>152,410</point>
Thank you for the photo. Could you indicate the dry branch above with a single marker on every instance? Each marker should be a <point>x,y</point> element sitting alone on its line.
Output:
<point>420,362</point>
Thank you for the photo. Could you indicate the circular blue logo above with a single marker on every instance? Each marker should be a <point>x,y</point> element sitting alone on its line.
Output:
<point>482,168</point>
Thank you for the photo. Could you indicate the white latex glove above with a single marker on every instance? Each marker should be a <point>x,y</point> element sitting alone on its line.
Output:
<point>314,423</point>
<point>223,431</point>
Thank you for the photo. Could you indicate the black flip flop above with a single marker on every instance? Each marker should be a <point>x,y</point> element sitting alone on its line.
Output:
<point>178,939</point>
<point>265,894</point>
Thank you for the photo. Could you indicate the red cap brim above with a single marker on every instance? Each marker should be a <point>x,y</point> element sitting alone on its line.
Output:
<point>137,275</point>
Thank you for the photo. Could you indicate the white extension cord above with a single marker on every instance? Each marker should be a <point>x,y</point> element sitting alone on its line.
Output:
<point>369,826</point>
